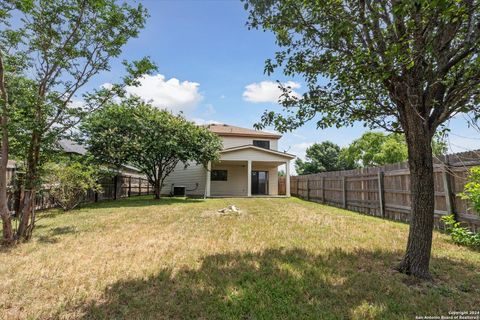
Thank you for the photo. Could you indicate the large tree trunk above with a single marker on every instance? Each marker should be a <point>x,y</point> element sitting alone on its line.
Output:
<point>420,161</point>
<point>27,205</point>
<point>4,212</point>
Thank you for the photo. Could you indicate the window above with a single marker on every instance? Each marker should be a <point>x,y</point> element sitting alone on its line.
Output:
<point>262,144</point>
<point>219,175</point>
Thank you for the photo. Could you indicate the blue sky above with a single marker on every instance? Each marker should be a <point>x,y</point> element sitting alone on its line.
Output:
<point>207,57</point>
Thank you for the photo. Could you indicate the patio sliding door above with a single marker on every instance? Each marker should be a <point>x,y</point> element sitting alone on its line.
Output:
<point>259,182</point>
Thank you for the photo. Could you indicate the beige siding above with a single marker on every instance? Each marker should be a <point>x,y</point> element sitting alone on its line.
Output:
<point>188,177</point>
<point>236,184</point>
<point>230,142</point>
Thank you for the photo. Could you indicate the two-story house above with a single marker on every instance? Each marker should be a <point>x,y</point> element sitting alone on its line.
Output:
<point>248,166</point>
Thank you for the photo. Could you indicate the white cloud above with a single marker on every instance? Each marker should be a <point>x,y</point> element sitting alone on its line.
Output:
<point>267,91</point>
<point>171,94</point>
<point>201,121</point>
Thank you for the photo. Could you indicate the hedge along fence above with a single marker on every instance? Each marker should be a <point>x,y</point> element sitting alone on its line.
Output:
<point>385,191</point>
<point>117,187</point>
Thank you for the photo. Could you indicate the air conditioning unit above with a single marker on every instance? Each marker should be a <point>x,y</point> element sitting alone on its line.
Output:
<point>179,191</point>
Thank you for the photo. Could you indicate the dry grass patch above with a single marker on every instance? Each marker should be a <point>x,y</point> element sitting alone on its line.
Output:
<point>278,258</point>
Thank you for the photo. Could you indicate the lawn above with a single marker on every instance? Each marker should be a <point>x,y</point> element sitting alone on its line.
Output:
<point>279,258</point>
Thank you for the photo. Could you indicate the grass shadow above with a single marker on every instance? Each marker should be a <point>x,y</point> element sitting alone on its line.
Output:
<point>140,201</point>
<point>53,234</point>
<point>286,284</point>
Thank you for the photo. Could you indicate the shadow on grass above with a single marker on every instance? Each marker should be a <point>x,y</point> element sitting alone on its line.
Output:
<point>140,201</point>
<point>287,284</point>
<point>53,233</point>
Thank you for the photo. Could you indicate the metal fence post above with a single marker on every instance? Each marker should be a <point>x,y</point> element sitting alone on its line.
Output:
<point>381,193</point>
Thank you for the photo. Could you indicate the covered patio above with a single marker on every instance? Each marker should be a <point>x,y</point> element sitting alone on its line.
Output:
<point>247,171</point>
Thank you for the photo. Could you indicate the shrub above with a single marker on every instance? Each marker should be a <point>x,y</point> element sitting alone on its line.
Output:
<point>459,234</point>
<point>69,183</point>
<point>471,191</point>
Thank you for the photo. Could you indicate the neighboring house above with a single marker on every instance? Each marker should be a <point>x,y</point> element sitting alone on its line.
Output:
<point>248,166</point>
<point>71,147</point>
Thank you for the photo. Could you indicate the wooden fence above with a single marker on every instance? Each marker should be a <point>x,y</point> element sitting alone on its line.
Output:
<point>118,187</point>
<point>385,191</point>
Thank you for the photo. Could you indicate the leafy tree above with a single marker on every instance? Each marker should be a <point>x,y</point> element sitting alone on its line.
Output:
<point>321,157</point>
<point>405,66</point>
<point>377,149</point>
<point>471,191</point>
<point>68,183</point>
<point>55,48</point>
<point>152,140</point>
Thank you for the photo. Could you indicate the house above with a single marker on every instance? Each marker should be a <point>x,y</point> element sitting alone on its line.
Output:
<point>248,166</point>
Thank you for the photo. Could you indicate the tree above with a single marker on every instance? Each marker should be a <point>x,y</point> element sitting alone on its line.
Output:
<point>404,66</point>
<point>376,149</point>
<point>69,182</point>
<point>59,46</point>
<point>321,157</point>
<point>153,140</point>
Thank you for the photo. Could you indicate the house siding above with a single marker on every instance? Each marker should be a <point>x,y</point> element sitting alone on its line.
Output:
<point>231,142</point>
<point>236,184</point>
<point>188,177</point>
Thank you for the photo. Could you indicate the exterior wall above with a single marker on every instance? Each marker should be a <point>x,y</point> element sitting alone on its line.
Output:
<point>188,177</point>
<point>236,184</point>
<point>230,142</point>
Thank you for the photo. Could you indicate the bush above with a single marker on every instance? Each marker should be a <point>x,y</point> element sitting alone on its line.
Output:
<point>69,183</point>
<point>471,191</point>
<point>459,234</point>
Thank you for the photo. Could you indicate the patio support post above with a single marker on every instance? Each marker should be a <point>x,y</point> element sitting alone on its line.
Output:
<point>249,178</point>
<point>287,178</point>
<point>207,184</point>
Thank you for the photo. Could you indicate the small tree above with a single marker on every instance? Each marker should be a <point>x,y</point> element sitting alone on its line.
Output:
<point>405,66</point>
<point>321,157</point>
<point>69,183</point>
<point>154,141</point>
<point>59,46</point>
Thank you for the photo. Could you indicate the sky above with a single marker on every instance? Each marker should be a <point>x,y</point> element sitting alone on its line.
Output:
<point>211,68</point>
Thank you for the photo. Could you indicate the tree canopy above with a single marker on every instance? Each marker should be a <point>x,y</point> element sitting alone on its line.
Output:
<point>321,157</point>
<point>152,140</point>
<point>404,66</point>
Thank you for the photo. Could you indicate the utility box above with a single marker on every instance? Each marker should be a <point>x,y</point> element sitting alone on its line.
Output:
<point>179,191</point>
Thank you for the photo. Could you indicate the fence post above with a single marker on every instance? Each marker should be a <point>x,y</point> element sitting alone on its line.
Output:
<point>129,186</point>
<point>308,189</point>
<point>381,192</point>
<point>344,186</point>
<point>148,188</point>
<point>297,182</point>
<point>139,186</point>
<point>323,189</point>
<point>115,183</point>
<point>447,187</point>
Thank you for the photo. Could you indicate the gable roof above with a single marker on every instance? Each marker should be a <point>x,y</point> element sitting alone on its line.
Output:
<point>251,146</point>
<point>228,130</point>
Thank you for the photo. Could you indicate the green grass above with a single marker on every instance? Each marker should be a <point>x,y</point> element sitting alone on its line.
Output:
<point>278,258</point>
